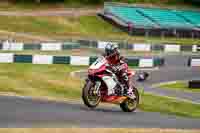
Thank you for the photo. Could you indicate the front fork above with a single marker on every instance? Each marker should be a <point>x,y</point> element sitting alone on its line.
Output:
<point>97,88</point>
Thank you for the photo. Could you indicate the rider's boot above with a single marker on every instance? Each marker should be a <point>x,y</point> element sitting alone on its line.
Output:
<point>127,86</point>
<point>129,92</point>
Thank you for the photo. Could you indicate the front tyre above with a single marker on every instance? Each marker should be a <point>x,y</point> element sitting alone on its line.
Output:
<point>130,105</point>
<point>90,100</point>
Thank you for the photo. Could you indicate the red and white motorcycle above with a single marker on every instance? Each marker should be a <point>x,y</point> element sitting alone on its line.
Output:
<point>96,89</point>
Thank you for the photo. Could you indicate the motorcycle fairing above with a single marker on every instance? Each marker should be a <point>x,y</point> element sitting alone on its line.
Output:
<point>113,99</point>
<point>110,83</point>
<point>97,69</point>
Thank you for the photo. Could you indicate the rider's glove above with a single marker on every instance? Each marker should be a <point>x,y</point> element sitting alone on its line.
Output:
<point>115,68</point>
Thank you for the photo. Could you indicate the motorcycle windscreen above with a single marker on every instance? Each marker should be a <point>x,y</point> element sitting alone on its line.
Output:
<point>98,63</point>
<point>110,83</point>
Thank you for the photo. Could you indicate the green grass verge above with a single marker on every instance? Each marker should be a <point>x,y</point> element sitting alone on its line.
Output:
<point>31,5</point>
<point>78,27</point>
<point>83,52</point>
<point>54,81</point>
<point>58,26</point>
<point>39,80</point>
<point>153,103</point>
<point>179,86</point>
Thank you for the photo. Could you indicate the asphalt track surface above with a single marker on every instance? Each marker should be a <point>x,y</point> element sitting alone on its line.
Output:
<point>20,112</point>
<point>175,69</point>
<point>28,112</point>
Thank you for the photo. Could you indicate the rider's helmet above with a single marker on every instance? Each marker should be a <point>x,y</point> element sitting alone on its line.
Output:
<point>112,52</point>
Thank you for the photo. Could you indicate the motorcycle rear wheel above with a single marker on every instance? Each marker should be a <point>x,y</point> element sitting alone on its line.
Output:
<point>90,100</point>
<point>130,105</point>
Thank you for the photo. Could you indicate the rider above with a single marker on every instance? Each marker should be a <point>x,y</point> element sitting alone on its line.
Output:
<point>117,64</point>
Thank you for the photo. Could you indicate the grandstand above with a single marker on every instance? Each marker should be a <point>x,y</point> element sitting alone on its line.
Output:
<point>153,21</point>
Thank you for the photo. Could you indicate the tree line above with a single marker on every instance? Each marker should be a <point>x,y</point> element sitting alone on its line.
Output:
<point>57,1</point>
<point>102,1</point>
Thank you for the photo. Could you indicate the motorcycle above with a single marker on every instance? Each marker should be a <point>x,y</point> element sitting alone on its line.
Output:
<point>95,89</point>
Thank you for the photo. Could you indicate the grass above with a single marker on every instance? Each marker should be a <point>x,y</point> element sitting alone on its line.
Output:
<point>167,105</point>
<point>90,27</point>
<point>179,86</point>
<point>95,130</point>
<point>82,51</point>
<point>39,80</point>
<point>9,6</point>
<point>53,81</point>
<point>59,26</point>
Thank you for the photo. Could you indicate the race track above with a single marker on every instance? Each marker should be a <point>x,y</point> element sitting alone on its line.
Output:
<point>172,74</point>
<point>20,112</point>
<point>175,69</point>
<point>27,112</point>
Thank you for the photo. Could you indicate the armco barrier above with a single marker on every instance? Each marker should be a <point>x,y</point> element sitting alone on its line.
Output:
<point>58,46</point>
<point>157,47</point>
<point>194,48</point>
<point>133,61</point>
<point>172,48</point>
<point>194,84</point>
<point>88,43</point>
<point>194,62</point>
<point>61,60</point>
<point>75,60</point>
<point>23,58</point>
<point>198,48</point>
<point>6,57</point>
<point>13,46</point>
<point>142,47</point>
<point>42,59</point>
<point>146,62</point>
<point>1,45</point>
<point>79,60</point>
<point>186,48</point>
<point>32,47</point>
<point>51,46</point>
<point>70,45</point>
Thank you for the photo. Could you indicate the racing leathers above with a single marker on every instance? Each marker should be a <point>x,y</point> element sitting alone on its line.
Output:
<point>120,68</point>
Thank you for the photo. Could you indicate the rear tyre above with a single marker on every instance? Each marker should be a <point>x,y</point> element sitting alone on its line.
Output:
<point>89,99</point>
<point>130,105</point>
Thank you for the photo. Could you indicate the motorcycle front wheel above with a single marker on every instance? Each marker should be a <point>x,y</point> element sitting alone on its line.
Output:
<point>90,100</point>
<point>130,105</point>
